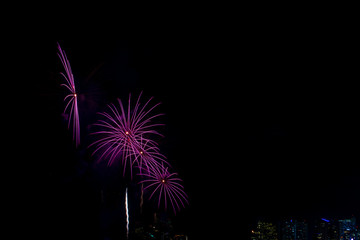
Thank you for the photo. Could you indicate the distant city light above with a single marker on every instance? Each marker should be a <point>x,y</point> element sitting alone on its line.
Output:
<point>300,229</point>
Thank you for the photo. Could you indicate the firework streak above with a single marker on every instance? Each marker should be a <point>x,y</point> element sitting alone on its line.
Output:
<point>127,213</point>
<point>71,98</point>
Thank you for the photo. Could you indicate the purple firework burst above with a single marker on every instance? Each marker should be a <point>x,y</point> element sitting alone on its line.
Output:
<point>148,157</point>
<point>125,135</point>
<point>166,187</point>
<point>70,99</point>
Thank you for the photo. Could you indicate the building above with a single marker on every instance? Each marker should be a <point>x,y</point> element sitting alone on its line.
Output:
<point>180,237</point>
<point>299,229</point>
<point>325,229</point>
<point>348,229</point>
<point>293,229</point>
<point>265,230</point>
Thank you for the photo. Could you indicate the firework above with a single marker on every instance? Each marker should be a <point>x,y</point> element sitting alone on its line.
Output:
<point>127,213</point>
<point>148,157</point>
<point>70,99</point>
<point>126,135</point>
<point>166,187</point>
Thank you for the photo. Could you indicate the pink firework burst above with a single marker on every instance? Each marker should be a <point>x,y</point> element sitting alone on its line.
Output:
<point>125,135</point>
<point>166,187</point>
<point>71,107</point>
<point>148,156</point>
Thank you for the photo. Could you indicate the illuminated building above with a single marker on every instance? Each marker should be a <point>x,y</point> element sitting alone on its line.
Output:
<point>325,229</point>
<point>294,230</point>
<point>347,229</point>
<point>298,229</point>
<point>264,231</point>
<point>180,237</point>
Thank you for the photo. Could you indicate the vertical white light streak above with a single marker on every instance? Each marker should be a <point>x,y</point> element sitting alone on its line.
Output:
<point>127,214</point>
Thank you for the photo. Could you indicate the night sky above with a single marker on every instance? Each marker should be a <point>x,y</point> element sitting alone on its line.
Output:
<point>260,113</point>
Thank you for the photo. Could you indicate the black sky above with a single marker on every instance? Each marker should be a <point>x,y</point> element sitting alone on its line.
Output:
<point>260,112</point>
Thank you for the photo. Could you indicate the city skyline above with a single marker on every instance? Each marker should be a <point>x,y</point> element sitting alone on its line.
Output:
<point>298,228</point>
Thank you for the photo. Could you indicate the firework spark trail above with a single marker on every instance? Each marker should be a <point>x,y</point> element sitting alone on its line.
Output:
<point>166,186</point>
<point>71,98</point>
<point>125,135</point>
<point>127,213</point>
